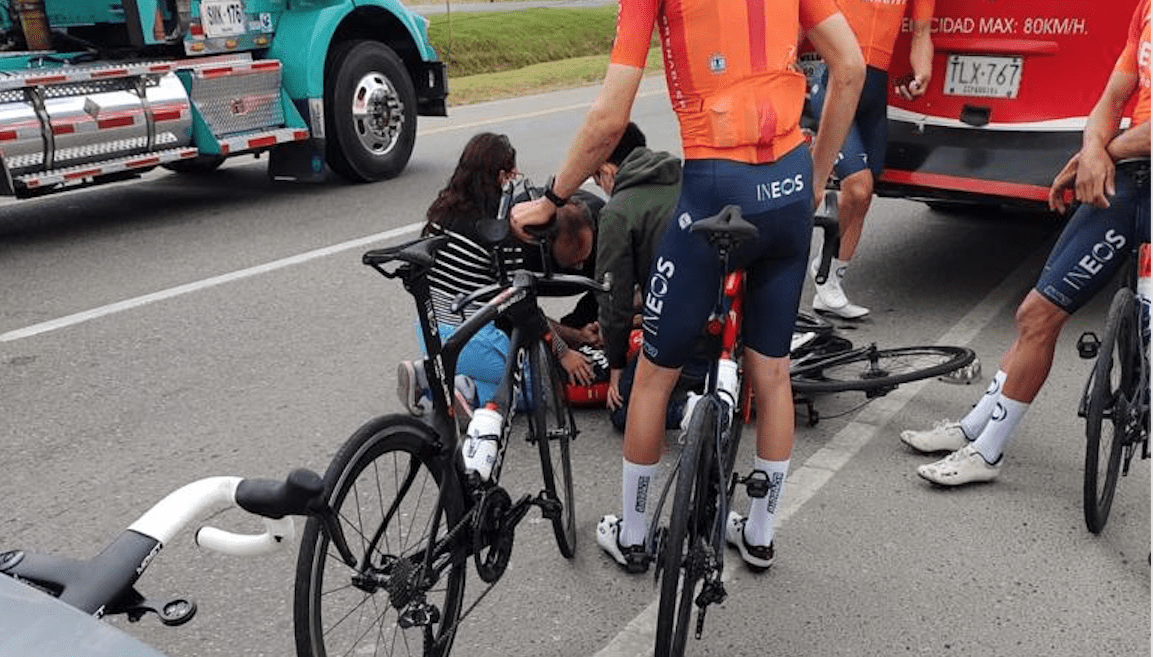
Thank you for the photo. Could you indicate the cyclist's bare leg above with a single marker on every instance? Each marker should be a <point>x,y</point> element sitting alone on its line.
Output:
<point>645,426</point>
<point>1028,360</point>
<point>772,391</point>
<point>774,398</point>
<point>852,206</point>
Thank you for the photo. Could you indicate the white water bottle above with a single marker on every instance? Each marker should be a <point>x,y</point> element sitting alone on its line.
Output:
<point>727,380</point>
<point>480,444</point>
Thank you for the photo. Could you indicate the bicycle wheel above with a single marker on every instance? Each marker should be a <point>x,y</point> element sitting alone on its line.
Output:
<point>1113,386</point>
<point>685,551</point>
<point>383,485</point>
<point>551,424</point>
<point>870,370</point>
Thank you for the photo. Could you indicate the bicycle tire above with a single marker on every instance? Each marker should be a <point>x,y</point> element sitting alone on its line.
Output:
<point>869,370</point>
<point>551,424</point>
<point>690,521</point>
<point>383,485</point>
<point>1104,430</point>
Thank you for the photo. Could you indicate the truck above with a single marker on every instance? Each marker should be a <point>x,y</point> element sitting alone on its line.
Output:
<point>1013,84</point>
<point>95,91</point>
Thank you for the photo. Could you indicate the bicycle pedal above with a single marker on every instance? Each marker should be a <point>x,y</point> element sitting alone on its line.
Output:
<point>1088,345</point>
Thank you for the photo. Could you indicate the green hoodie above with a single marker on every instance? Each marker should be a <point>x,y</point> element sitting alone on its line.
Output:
<point>645,194</point>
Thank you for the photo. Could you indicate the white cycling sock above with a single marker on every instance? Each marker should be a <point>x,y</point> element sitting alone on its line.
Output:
<point>760,526</point>
<point>973,423</point>
<point>1006,415</point>
<point>636,479</point>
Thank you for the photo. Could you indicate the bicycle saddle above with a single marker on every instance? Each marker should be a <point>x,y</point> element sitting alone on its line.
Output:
<point>727,224</point>
<point>419,252</point>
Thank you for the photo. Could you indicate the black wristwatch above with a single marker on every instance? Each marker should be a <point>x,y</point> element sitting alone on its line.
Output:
<point>552,196</point>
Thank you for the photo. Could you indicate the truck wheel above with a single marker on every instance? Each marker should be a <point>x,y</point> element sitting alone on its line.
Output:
<point>369,112</point>
<point>199,165</point>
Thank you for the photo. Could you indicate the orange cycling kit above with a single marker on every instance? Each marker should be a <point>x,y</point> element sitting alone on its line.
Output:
<point>730,70</point>
<point>876,24</point>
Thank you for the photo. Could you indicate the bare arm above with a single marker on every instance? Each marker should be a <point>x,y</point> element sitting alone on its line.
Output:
<point>921,57</point>
<point>1133,142</point>
<point>594,142</point>
<point>836,44</point>
<point>1095,168</point>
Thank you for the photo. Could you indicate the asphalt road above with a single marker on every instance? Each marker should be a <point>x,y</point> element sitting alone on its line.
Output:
<point>162,330</point>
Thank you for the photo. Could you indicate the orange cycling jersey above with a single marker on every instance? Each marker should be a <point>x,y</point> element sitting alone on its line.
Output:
<point>729,69</point>
<point>1135,59</point>
<point>877,23</point>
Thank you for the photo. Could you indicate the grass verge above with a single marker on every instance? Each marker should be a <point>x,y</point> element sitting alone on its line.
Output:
<point>511,53</point>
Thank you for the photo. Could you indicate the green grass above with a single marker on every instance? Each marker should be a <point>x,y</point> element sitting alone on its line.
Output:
<point>504,54</point>
<point>475,43</point>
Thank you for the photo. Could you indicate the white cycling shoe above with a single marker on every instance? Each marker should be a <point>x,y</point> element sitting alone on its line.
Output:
<point>945,436</point>
<point>830,297</point>
<point>964,466</point>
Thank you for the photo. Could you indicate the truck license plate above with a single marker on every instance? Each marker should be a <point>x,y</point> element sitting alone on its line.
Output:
<point>222,17</point>
<point>984,76</point>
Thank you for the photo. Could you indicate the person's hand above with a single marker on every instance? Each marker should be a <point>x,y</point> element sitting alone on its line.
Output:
<point>590,334</point>
<point>1095,172</point>
<point>530,213</point>
<point>912,86</point>
<point>1062,183</point>
<point>614,400</point>
<point>579,369</point>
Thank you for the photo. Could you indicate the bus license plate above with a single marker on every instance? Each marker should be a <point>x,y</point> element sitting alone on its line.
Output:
<point>222,17</point>
<point>984,76</point>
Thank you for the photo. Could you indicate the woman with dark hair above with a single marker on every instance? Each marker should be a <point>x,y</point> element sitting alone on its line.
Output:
<point>473,192</point>
<point>464,264</point>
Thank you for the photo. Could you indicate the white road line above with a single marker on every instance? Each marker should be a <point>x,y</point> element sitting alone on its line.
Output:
<point>639,635</point>
<point>522,117</point>
<point>136,302</point>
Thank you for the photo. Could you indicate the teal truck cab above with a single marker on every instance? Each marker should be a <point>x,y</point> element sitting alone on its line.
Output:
<point>93,91</point>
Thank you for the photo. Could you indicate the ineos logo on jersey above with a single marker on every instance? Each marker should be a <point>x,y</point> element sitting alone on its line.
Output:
<point>780,188</point>
<point>1092,263</point>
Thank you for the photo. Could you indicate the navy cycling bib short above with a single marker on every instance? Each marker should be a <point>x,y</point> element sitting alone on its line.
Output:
<point>864,146</point>
<point>1097,241</point>
<point>775,197</point>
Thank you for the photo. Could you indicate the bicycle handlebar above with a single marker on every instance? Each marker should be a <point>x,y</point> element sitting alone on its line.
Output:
<point>274,500</point>
<point>546,285</point>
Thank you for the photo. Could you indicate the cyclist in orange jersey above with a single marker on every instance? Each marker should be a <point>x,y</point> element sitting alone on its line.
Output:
<point>730,67</point>
<point>1110,176</point>
<point>876,24</point>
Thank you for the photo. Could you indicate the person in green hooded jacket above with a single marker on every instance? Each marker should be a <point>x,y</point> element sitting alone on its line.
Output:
<point>643,187</point>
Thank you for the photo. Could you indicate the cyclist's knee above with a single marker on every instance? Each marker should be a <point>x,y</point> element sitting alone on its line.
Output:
<point>1039,318</point>
<point>857,189</point>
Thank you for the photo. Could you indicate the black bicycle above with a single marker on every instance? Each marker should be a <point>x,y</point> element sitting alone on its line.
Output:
<point>413,513</point>
<point>1115,403</point>
<point>690,550</point>
<point>828,363</point>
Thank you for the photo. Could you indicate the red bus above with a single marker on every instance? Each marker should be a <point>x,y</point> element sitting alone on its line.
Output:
<point>1013,82</point>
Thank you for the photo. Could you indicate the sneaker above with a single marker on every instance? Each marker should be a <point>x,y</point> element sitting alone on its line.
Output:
<point>963,466</point>
<point>830,297</point>
<point>757,557</point>
<point>412,387</point>
<point>632,558</point>
<point>463,401</point>
<point>945,436</point>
